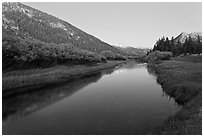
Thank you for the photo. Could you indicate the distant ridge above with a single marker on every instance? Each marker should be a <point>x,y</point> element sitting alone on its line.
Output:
<point>183,36</point>
<point>131,51</point>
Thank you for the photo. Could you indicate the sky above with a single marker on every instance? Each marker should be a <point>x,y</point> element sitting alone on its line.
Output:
<point>128,24</point>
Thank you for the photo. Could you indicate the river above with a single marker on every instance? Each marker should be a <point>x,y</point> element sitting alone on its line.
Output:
<point>124,100</point>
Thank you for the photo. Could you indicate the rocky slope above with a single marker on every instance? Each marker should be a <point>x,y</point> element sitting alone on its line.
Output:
<point>183,36</point>
<point>31,38</point>
<point>27,22</point>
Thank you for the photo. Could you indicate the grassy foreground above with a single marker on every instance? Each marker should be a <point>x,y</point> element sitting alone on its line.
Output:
<point>181,78</point>
<point>16,82</point>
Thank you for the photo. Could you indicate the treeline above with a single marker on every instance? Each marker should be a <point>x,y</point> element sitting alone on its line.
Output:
<point>190,46</point>
<point>24,53</point>
<point>18,53</point>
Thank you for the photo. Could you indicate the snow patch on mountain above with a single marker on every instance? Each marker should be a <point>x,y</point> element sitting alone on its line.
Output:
<point>119,45</point>
<point>58,25</point>
<point>184,35</point>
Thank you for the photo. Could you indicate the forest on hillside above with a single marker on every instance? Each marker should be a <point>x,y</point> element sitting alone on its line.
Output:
<point>26,53</point>
<point>190,46</point>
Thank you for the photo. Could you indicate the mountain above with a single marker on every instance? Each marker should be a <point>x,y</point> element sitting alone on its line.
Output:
<point>131,51</point>
<point>183,44</point>
<point>183,36</point>
<point>31,38</point>
<point>28,23</point>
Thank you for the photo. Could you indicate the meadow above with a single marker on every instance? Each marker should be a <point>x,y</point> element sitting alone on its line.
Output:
<point>181,78</point>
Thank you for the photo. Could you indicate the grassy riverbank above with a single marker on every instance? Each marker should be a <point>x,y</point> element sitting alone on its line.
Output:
<point>15,82</point>
<point>181,78</point>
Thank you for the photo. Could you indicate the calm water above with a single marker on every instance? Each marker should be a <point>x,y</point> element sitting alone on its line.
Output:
<point>124,100</point>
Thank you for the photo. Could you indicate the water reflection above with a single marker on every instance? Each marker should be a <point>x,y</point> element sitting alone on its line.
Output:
<point>130,65</point>
<point>24,104</point>
<point>151,71</point>
<point>126,101</point>
<point>164,94</point>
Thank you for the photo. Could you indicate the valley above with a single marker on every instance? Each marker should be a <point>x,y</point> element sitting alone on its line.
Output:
<point>58,79</point>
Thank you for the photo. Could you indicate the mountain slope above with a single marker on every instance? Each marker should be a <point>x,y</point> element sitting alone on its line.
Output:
<point>131,51</point>
<point>26,22</point>
<point>183,36</point>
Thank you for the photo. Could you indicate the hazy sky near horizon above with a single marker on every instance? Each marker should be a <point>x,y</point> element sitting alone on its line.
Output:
<point>129,24</point>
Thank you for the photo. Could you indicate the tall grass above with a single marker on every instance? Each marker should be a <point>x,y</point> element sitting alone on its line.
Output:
<point>181,78</point>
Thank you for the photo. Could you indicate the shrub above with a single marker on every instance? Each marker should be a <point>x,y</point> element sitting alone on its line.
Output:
<point>157,55</point>
<point>112,56</point>
<point>103,58</point>
<point>108,54</point>
<point>120,57</point>
<point>18,53</point>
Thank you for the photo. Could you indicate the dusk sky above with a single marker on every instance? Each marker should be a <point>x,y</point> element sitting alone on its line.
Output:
<point>128,24</point>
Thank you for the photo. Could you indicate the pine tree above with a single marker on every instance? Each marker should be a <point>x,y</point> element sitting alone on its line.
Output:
<point>188,47</point>
<point>199,45</point>
<point>185,47</point>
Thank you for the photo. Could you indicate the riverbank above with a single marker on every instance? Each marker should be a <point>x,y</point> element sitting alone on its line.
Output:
<point>181,78</point>
<point>121,101</point>
<point>16,82</point>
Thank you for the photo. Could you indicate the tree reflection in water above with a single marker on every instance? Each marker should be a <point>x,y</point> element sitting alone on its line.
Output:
<point>26,103</point>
